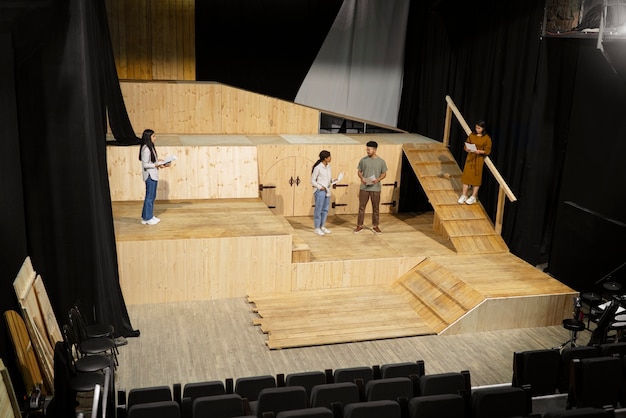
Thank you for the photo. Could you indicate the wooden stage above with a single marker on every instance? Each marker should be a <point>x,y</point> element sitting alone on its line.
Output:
<point>236,222</point>
<point>342,287</point>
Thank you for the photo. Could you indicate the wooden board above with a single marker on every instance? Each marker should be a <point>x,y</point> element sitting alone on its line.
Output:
<point>9,407</point>
<point>39,318</point>
<point>336,316</point>
<point>25,353</point>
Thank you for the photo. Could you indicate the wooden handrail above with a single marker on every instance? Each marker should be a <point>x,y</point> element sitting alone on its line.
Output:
<point>504,188</point>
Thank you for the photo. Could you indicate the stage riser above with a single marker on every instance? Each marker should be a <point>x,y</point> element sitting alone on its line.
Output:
<point>205,269</point>
<point>349,273</point>
<point>511,313</point>
<point>160,271</point>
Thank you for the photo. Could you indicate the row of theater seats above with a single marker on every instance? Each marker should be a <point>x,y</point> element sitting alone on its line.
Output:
<point>587,376</point>
<point>398,390</point>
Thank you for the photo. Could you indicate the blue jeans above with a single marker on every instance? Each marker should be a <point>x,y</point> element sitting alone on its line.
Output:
<point>322,202</point>
<point>148,204</point>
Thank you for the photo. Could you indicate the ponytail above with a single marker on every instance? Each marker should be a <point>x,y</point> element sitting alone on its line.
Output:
<point>323,155</point>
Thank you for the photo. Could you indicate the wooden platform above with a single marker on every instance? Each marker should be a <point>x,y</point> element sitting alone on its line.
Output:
<point>444,272</point>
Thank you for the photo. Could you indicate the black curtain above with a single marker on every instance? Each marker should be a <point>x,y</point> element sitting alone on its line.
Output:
<point>62,91</point>
<point>13,249</point>
<point>489,58</point>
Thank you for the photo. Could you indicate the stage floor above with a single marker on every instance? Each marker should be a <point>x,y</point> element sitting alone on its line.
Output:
<point>226,248</point>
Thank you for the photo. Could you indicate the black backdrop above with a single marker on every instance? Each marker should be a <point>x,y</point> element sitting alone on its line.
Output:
<point>58,78</point>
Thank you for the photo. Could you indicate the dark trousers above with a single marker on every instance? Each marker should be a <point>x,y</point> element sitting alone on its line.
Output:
<point>364,196</point>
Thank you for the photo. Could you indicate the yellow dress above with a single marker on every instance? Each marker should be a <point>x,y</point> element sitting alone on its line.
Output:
<point>473,170</point>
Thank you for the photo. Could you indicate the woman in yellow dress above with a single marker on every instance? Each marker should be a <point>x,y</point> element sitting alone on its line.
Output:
<point>473,170</point>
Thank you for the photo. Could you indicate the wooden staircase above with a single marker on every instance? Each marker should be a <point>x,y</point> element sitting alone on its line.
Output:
<point>438,296</point>
<point>467,226</point>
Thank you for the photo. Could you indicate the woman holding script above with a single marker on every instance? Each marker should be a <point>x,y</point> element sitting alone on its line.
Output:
<point>477,146</point>
<point>150,165</point>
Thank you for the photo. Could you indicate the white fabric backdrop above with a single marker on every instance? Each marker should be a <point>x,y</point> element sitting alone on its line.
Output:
<point>358,70</point>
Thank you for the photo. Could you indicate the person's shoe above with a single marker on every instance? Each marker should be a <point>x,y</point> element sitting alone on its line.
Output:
<point>377,230</point>
<point>462,199</point>
<point>144,222</point>
<point>152,221</point>
<point>358,229</point>
<point>471,200</point>
<point>319,231</point>
<point>157,219</point>
<point>325,230</point>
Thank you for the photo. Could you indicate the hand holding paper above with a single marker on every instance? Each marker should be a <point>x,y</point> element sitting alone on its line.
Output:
<point>338,179</point>
<point>470,147</point>
<point>370,179</point>
<point>167,160</point>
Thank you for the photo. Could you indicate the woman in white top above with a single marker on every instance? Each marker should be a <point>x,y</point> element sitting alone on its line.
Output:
<point>321,179</point>
<point>150,165</point>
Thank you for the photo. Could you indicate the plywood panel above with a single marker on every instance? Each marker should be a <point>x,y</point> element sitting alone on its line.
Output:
<point>510,313</point>
<point>153,40</point>
<point>212,108</point>
<point>212,268</point>
<point>198,173</point>
<point>348,273</point>
<point>9,407</point>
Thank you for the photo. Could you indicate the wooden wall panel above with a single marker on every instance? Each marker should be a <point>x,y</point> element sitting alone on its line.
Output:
<point>349,273</point>
<point>200,172</point>
<point>153,40</point>
<point>212,108</point>
<point>344,158</point>
<point>212,268</point>
<point>510,313</point>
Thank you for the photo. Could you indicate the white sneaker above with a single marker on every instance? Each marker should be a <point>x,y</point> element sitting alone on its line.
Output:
<point>471,200</point>
<point>462,199</point>
<point>157,219</point>
<point>318,231</point>
<point>152,221</point>
<point>325,230</point>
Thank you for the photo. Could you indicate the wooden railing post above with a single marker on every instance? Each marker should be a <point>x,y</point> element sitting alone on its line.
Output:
<point>504,188</point>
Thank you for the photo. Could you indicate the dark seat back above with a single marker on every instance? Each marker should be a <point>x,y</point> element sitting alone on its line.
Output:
<point>280,399</point>
<point>539,369</point>
<point>327,394</point>
<point>390,389</point>
<point>250,387</point>
<point>500,402</point>
<point>218,406</point>
<point>437,406</point>
<point>373,409</point>
<point>568,354</point>
<point>161,409</point>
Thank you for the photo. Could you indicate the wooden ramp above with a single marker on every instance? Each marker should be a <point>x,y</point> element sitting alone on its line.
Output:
<point>467,226</point>
<point>330,316</point>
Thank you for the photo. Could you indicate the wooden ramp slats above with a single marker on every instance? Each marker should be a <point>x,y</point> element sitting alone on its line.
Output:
<point>458,212</point>
<point>469,231</point>
<point>440,291</point>
<point>367,334</point>
<point>331,316</point>
<point>491,244</point>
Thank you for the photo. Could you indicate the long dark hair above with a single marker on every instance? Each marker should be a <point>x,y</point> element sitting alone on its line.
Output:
<point>323,155</point>
<point>146,139</point>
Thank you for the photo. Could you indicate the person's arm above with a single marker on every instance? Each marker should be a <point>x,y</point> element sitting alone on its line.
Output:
<point>314,176</point>
<point>146,162</point>
<point>380,178</point>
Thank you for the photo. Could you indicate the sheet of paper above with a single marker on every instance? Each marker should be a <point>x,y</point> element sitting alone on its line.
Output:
<point>338,179</point>
<point>168,159</point>
<point>370,179</point>
<point>470,147</point>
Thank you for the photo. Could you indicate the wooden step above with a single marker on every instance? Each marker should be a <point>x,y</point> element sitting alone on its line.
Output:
<point>439,291</point>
